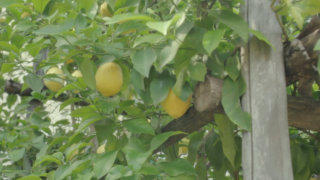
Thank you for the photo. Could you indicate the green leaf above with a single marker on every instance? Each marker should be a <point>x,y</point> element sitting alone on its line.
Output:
<point>103,163</point>
<point>39,5</point>
<point>6,3</point>
<point>159,88</point>
<point>17,154</point>
<point>137,80</point>
<point>30,177</point>
<point>7,67</point>
<point>86,4</point>
<point>213,148</point>
<point>261,37</point>
<point>168,53</point>
<point>149,38</point>
<point>217,67</point>
<point>47,159</point>
<point>212,39</point>
<point>135,153</point>
<point>234,21</point>
<point>85,112</point>
<point>34,82</point>
<point>194,145</point>
<point>178,167</point>
<point>299,161</point>
<point>149,169</point>
<point>8,47</point>
<point>68,102</point>
<point>34,48</point>
<point>143,59</point>
<point>64,171</point>
<point>138,126</point>
<point>55,29</point>
<point>198,71</point>
<point>161,26</point>
<point>119,171</point>
<point>226,130</point>
<point>127,17</point>
<point>231,104</point>
<point>233,68</point>
<point>88,68</point>
<point>160,139</point>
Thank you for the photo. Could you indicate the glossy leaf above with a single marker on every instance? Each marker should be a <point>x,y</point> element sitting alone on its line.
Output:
<point>88,72</point>
<point>103,163</point>
<point>231,104</point>
<point>234,21</point>
<point>212,39</point>
<point>143,60</point>
<point>39,5</point>
<point>168,53</point>
<point>34,82</point>
<point>138,126</point>
<point>17,154</point>
<point>226,130</point>
<point>159,88</point>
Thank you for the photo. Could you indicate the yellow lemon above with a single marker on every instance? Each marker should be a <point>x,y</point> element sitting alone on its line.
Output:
<point>24,15</point>
<point>77,74</point>
<point>104,10</point>
<point>101,149</point>
<point>174,106</point>
<point>109,79</point>
<point>3,19</point>
<point>57,84</point>
<point>183,150</point>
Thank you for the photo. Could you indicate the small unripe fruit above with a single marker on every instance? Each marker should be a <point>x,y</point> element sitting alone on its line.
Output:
<point>101,149</point>
<point>3,19</point>
<point>24,15</point>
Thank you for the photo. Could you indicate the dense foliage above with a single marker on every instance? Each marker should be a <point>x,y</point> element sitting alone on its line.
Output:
<point>160,46</point>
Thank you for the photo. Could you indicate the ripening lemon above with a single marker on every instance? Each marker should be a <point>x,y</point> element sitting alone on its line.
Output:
<point>104,10</point>
<point>183,150</point>
<point>24,15</point>
<point>77,74</point>
<point>174,106</point>
<point>56,84</point>
<point>109,79</point>
<point>101,149</point>
<point>69,61</point>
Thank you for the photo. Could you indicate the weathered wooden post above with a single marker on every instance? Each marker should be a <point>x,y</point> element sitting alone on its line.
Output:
<point>266,150</point>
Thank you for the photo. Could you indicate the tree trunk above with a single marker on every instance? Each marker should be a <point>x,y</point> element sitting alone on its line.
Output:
<point>266,149</point>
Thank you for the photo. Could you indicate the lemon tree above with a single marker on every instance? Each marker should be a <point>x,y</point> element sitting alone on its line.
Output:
<point>122,89</point>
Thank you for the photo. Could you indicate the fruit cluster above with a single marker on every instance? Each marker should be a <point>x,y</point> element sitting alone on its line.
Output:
<point>109,80</point>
